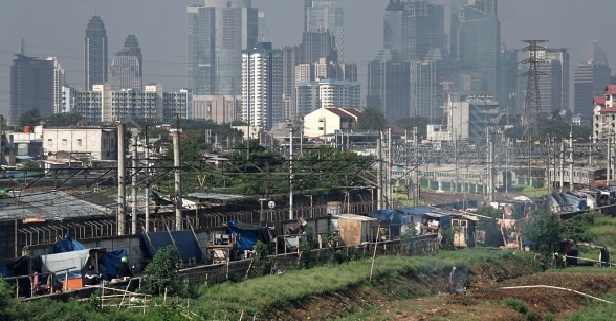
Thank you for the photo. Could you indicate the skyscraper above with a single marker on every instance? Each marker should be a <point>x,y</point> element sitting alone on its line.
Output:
<point>96,52</point>
<point>262,86</point>
<point>479,47</point>
<point>554,80</point>
<point>413,27</point>
<point>125,69</point>
<point>218,31</point>
<point>32,86</point>
<point>389,84</point>
<point>590,79</point>
<point>327,16</point>
<point>57,82</point>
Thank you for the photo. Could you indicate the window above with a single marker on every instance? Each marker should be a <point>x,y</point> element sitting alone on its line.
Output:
<point>79,141</point>
<point>63,142</point>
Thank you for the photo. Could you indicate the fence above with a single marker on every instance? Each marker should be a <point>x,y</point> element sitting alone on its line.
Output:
<point>238,270</point>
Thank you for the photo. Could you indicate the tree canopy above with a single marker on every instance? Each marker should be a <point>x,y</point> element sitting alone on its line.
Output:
<point>30,117</point>
<point>371,118</point>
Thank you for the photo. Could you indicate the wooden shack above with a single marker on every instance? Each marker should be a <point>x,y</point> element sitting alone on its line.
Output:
<point>355,229</point>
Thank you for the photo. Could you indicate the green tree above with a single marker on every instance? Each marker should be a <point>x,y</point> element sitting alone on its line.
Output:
<point>5,299</point>
<point>30,117</point>
<point>63,119</point>
<point>371,118</point>
<point>163,272</point>
<point>543,230</point>
<point>419,122</point>
<point>494,237</point>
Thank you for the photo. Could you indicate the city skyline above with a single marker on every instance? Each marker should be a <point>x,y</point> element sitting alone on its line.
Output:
<point>164,45</point>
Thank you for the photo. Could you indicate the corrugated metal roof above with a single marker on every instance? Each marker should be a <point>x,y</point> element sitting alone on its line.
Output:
<point>49,205</point>
<point>354,217</point>
<point>215,196</point>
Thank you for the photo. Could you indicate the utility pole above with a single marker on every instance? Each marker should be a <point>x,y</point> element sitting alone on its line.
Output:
<point>571,160</point>
<point>121,216</point>
<point>561,157</point>
<point>389,169</point>
<point>134,186</point>
<point>379,173</point>
<point>417,185</point>
<point>147,182</point>
<point>291,173</point>
<point>178,185</point>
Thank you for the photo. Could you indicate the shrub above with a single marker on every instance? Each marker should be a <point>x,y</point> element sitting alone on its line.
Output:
<point>163,273</point>
<point>517,305</point>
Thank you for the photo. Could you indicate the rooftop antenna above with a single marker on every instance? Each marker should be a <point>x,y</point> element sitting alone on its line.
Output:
<point>22,47</point>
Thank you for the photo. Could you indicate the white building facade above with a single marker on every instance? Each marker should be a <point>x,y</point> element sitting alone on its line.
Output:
<point>101,104</point>
<point>96,143</point>
<point>262,86</point>
<point>604,118</point>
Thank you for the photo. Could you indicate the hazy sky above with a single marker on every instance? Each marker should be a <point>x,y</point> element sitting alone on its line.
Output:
<point>57,28</point>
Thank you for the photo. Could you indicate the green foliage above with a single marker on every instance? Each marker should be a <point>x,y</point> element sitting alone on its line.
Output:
<point>518,305</point>
<point>30,117</point>
<point>162,273</point>
<point>578,228</point>
<point>542,229</point>
<point>307,245</point>
<point>409,123</point>
<point>63,119</point>
<point>371,118</point>
<point>262,258</point>
<point>407,236</point>
<point>494,237</point>
<point>5,298</point>
<point>447,238</point>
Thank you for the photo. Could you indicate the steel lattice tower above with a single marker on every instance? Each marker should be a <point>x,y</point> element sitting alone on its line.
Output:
<point>531,119</point>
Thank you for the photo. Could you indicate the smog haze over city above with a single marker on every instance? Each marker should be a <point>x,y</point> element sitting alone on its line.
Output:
<point>57,28</point>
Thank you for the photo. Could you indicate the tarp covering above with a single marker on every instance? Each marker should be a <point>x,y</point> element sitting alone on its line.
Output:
<point>390,217</point>
<point>247,235</point>
<point>185,243</point>
<point>73,261</point>
<point>14,266</point>
<point>111,261</point>
<point>67,244</point>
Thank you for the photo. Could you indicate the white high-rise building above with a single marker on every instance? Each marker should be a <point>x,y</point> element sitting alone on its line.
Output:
<point>58,82</point>
<point>262,86</point>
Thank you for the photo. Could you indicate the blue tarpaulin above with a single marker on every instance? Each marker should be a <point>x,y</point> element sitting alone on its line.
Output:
<point>111,261</point>
<point>247,235</point>
<point>184,242</point>
<point>67,244</point>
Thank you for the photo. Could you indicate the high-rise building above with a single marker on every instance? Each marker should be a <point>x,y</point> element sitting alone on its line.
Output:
<point>589,80</point>
<point>425,89</point>
<point>96,52</point>
<point>290,59</point>
<point>125,71</point>
<point>262,82</point>
<point>389,85</point>
<point>32,86</point>
<point>554,80</point>
<point>316,45</point>
<point>326,93</point>
<point>327,16</point>
<point>413,27</point>
<point>479,47</point>
<point>218,31</point>
<point>509,92</point>
<point>58,83</point>
<point>101,104</point>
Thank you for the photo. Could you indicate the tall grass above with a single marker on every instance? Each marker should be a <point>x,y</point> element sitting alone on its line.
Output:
<point>256,296</point>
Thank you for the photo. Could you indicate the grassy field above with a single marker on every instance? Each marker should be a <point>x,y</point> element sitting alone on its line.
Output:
<point>259,296</point>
